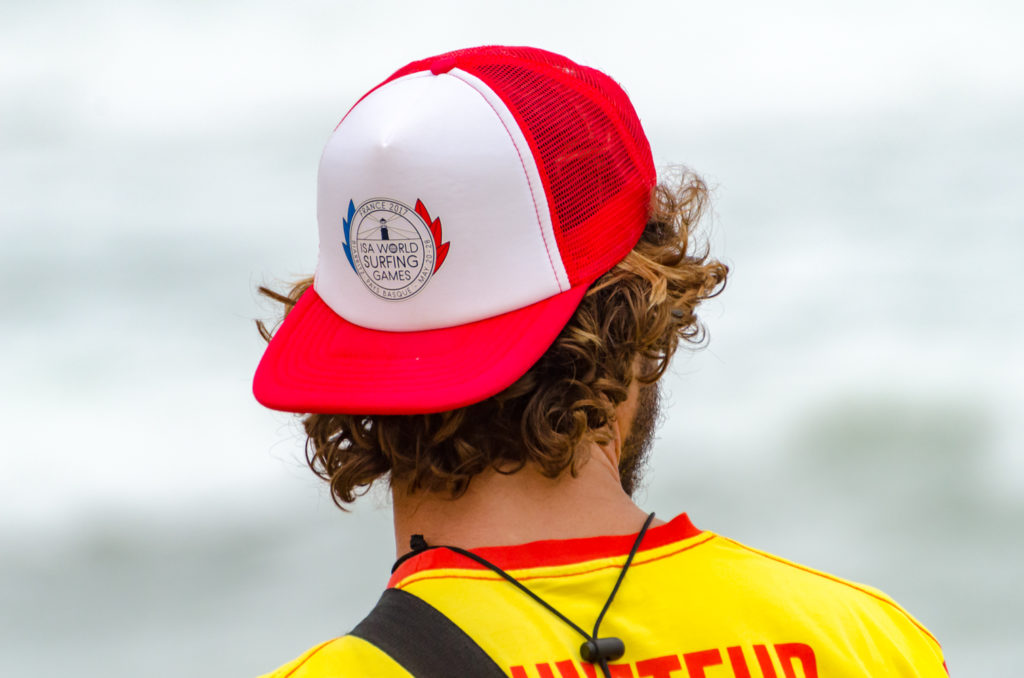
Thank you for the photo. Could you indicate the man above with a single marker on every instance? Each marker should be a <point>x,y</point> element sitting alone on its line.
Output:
<point>494,355</point>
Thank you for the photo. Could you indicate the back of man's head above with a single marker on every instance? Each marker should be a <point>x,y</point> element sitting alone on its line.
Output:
<point>497,270</point>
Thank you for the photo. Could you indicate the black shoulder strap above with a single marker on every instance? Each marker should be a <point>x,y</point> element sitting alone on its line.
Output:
<point>424,641</point>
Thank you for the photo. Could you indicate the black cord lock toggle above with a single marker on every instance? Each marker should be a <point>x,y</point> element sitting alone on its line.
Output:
<point>602,649</point>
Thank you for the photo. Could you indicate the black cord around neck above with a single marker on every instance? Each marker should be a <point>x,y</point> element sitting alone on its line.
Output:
<point>512,580</point>
<point>622,572</point>
<point>595,649</point>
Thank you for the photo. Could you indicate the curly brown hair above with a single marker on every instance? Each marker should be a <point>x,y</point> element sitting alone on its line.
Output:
<point>634,315</point>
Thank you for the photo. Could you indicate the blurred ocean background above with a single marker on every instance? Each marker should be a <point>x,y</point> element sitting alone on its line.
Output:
<point>858,408</point>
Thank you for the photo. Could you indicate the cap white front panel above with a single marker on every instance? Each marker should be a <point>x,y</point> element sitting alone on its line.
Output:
<point>427,217</point>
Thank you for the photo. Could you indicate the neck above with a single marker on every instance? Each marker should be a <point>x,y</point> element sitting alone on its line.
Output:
<point>502,510</point>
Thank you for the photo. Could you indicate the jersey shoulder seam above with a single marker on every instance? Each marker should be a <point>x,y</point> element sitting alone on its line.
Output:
<point>839,580</point>
<point>305,660</point>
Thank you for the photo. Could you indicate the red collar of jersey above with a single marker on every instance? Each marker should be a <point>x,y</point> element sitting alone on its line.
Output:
<point>551,552</point>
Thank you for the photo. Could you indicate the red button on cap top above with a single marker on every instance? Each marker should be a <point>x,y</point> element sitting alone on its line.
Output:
<point>442,65</point>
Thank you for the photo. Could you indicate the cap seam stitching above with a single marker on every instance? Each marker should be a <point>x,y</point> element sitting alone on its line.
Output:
<point>529,184</point>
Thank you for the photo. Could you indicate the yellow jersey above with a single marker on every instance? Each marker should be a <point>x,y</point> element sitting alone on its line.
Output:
<point>693,604</point>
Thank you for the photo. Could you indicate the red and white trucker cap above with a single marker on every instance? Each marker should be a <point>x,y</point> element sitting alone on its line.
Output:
<point>465,205</point>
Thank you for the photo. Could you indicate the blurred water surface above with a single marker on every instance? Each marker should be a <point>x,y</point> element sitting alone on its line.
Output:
<point>858,408</point>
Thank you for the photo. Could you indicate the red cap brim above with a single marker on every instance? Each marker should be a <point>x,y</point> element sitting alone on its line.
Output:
<point>318,362</point>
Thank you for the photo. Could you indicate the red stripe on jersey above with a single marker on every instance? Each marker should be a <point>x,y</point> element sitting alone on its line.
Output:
<point>548,553</point>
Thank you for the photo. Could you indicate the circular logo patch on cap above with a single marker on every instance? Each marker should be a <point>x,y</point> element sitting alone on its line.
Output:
<point>393,248</point>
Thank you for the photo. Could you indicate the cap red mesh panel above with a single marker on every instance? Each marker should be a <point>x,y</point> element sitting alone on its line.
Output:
<point>593,157</point>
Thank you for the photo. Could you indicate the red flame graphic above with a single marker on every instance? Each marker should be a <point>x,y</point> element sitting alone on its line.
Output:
<point>435,231</point>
